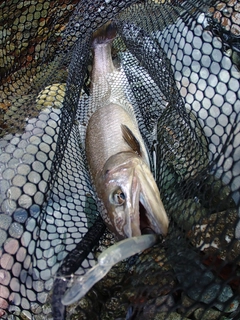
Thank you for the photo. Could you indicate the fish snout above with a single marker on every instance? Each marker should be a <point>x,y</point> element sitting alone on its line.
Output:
<point>152,213</point>
<point>131,198</point>
<point>132,219</point>
<point>142,211</point>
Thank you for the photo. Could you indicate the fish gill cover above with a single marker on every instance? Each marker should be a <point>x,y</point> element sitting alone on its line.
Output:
<point>181,60</point>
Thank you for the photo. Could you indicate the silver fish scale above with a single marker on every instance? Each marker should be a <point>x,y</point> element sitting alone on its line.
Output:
<point>178,67</point>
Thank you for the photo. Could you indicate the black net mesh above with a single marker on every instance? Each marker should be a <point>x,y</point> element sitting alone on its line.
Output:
<point>181,60</point>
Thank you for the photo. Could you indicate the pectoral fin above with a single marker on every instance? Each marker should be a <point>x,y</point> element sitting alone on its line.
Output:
<point>131,140</point>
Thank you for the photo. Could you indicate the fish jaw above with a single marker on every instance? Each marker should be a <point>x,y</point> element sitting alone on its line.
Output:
<point>125,184</point>
<point>151,201</point>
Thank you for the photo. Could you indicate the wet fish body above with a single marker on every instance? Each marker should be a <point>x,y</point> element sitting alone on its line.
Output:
<point>116,153</point>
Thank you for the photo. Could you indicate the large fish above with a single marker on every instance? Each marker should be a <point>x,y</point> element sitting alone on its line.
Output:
<point>116,154</point>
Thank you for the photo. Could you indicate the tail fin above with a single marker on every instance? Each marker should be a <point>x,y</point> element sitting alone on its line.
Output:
<point>105,34</point>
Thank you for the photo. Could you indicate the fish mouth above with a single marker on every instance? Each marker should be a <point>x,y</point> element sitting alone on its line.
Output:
<point>145,213</point>
<point>150,221</point>
<point>131,197</point>
<point>152,215</point>
<point>145,224</point>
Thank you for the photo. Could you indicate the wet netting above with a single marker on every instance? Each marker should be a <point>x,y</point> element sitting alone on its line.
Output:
<point>181,62</point>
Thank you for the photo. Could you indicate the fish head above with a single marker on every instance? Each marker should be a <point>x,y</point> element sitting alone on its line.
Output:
<point>131,197</point>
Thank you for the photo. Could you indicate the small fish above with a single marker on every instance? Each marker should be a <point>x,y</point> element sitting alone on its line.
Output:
<point>116,154</point>
<point>106,260</point>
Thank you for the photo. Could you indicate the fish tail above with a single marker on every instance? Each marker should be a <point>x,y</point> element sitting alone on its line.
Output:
<point>105,34</point>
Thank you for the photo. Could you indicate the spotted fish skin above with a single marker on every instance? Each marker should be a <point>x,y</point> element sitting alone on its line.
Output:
<point>116,153</point>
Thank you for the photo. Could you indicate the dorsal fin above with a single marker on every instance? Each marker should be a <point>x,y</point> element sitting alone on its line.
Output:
<point>131,140</point>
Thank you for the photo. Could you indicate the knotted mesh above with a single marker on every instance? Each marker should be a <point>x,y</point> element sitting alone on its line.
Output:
<point>181,61</point>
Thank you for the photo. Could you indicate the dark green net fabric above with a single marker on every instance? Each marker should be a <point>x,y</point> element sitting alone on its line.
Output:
<point>182,62</point>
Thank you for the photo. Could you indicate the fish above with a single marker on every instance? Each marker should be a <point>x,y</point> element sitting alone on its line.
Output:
<point>116,154</point>
<point>107,259</point>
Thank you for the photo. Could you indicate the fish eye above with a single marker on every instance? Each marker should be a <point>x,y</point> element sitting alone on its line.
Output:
<point>118,197</point>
